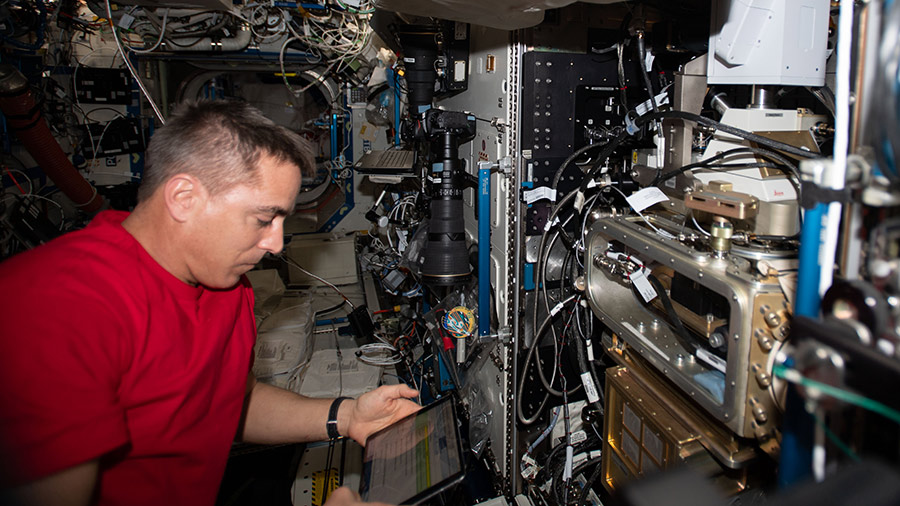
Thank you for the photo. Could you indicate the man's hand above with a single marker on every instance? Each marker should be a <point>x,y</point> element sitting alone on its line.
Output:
<point>376,409</point>
<point>345,497</point>
<point>273,415</point>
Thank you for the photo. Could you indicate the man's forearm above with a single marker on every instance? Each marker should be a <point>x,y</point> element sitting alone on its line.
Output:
<point>274,415</point>
<point>70,487</point>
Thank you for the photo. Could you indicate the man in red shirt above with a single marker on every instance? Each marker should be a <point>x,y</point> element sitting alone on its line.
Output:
<point>126,347</point>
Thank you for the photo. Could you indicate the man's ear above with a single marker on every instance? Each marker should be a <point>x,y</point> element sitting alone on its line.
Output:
<point>184,195</point>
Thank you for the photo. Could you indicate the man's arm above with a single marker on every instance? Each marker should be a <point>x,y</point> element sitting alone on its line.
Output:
<point>70,487</point>
<point>274,415</point>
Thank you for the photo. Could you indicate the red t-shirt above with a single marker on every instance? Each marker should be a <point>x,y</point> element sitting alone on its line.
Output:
<point>104,354</point>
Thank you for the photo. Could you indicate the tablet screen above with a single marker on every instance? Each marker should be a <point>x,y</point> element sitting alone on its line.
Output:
<point>415,458</point>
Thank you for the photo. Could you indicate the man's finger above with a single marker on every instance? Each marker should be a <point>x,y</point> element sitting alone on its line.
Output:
<point>342,495</point>
<point>401,390</point>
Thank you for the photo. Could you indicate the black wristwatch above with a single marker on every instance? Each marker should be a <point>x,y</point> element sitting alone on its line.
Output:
<point>332,424</point>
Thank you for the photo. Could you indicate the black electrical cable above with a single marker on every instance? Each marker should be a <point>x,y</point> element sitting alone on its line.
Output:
<point>586,335</point>
<point>775,237</point>
<point>586,464</point>
<point>565,238</point>
<point>574,156</point>
<point>192,44</point>
<point>565,399</point>
<point>696,118</point>
<point>328,462</point>
<point>645,72</point>
<point>553,458</point>
<point>548,385</point>
<point>556,480</point>
<point>537,495</point>
<point>752,137</point>
<point>545,297</point>
<point>589,484</point>
<point>519,409</point>
<point>540,263</point>
<point>749,165</point>
<point>541,273</point>
<point>681,333</point>
<point>585,367</point>
<point>543,252</point>
<point>531,352</point>
<point>183,32</point>
<point>551,461</point>
<point>544,281</point>
<point>787,166</point>
<point>559,494</point>
<point>174,20</point>
<point>608,149</point>
<point>563,274</point>
<point>330,309</point>
<point>620,70</point>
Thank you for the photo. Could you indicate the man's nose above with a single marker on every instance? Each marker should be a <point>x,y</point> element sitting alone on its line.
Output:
<point>273,240</point>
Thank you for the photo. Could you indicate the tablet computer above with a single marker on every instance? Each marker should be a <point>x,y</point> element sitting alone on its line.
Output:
<point>415,458</point>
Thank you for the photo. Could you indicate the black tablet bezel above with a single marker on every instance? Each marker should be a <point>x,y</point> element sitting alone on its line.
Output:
<point>434,488</point>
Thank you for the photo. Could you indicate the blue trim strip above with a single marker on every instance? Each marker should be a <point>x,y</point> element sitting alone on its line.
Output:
<point>332,321</point>
<point>808,300</point>
<point>796,446</point>
<point>484,252</point>
<point>396,109</point>
<point>337,128</point>
<point>528,276</point>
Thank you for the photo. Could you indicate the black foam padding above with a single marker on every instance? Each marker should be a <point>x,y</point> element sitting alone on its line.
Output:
<point>361,322</point>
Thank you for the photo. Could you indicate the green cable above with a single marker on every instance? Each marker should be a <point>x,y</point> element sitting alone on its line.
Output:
<point>835,439</point>
<point>794,376</point>
<point>353,10</point>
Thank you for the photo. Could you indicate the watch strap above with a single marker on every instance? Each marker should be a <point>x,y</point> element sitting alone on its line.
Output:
<point>332,424</point>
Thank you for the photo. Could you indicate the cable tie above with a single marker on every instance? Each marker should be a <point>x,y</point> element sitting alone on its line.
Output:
<point>570,454</point>
<point>579,201</point>
<point>630,127</point>
<point>557,308</point>
<point>551,224</point>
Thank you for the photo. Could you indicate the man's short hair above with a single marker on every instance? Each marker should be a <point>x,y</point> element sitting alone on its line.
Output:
<point>220,143</point>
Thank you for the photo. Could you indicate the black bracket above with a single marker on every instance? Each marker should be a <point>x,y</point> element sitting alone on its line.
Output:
<point>812,194</point>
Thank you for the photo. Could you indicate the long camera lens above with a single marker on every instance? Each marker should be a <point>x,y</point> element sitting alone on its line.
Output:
<point>446,261</point>
<point>419,55</point>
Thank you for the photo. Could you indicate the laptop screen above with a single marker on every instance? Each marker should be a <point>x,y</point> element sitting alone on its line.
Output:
<point>415,458</point>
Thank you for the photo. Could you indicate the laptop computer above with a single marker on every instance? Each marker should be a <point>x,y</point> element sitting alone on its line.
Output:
<point>399,162</point>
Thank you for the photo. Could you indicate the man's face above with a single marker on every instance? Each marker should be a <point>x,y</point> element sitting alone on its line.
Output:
<point>235,228</point>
